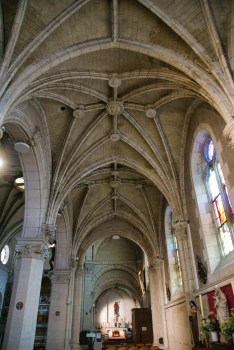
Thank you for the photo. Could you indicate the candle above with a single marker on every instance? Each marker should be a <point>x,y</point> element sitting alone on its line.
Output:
<point>232,283</point>
<point>201,305</point>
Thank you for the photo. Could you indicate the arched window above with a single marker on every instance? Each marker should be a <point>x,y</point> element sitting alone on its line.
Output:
<point>173,256</point>
<point>177,259</point>
<point>218,195</point>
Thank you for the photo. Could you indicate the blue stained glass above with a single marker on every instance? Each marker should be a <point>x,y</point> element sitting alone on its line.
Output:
<point>210,151</point>
<point>215,188</point>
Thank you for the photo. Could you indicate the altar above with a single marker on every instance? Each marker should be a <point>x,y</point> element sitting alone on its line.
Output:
<point>116,332</point>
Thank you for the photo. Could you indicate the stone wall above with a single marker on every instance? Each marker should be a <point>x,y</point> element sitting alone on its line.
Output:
<point>179,334</point>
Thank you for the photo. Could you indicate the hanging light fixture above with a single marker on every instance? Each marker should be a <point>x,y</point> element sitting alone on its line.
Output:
<point>19,184</point>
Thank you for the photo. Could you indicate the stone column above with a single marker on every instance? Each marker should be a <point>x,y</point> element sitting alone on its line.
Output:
<point>157,294</point>
<point>60,280</point>
<point>77,308</point>
<point>70,301</point>
<point>155,305</point>
<point>180,229</point>
<point>22,316</point>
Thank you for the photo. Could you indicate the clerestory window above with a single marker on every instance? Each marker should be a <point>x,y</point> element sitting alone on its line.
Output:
<point>218,195</point>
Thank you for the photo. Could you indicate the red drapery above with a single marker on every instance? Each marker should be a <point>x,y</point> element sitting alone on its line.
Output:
<point>227,290</point>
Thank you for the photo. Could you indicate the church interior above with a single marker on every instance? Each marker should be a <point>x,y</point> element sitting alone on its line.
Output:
<point>116,174</point>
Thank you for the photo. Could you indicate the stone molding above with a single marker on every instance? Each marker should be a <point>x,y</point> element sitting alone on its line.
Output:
<point>49,231</point>
<point>114,82</point>
<point>228,133</point>
<point>88,267</point>
<point>61,276</point>
<point>79,112</point>
<point>73,264</point>
<point>37,135</point>
<point>180,229</point>
<point>158,263</point>
<point>33,247</point>
<point>114,108</point>
<point>79,271</point>
<point>152,270</point>
<point>151,113</point>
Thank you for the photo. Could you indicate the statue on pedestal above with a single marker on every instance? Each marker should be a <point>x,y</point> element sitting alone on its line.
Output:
<point>221,305</point>
<point>194,317</point>
<point>116,309</point>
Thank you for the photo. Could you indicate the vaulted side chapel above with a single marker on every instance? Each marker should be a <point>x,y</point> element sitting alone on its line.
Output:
<point>116,172</point>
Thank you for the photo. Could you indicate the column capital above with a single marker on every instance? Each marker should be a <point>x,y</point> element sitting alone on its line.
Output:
<point>79,271</point>
<point>228,133</point>
<point>152,270</point>
<point>49,231</point>
<point>180,229</point>
<point>73,263</point>
<point>60,276</point>
<point>158,263</point>
<point>32,247</point>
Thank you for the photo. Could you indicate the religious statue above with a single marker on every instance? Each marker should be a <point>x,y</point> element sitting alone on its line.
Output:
<point>51,261</point>
<point>116,308</point>
<point>194,316</point>
<point>221,305</point>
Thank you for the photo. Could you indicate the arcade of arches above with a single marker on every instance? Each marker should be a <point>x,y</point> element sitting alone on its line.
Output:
<point>116,166</point>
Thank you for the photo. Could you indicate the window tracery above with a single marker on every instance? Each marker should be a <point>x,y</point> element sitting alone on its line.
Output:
<point>177,258</point>
<point>218,194</point>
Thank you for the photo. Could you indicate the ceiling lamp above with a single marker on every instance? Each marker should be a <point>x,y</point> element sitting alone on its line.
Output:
<point>19,184</point>
<point>1,162</point>
<point>21,147</point>
<point>115,237</point>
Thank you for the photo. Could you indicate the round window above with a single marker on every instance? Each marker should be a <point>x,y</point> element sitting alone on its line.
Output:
<point>5,254</point>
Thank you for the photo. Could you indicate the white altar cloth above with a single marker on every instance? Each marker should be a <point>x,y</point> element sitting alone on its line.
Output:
<point>122,332</point>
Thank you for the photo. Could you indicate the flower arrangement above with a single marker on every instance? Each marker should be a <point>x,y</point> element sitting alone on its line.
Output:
<point>227,327</point>
<point>208,324</point>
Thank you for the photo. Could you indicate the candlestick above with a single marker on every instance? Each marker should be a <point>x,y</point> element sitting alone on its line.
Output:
<point>201,305</point>
<point>232,284</point>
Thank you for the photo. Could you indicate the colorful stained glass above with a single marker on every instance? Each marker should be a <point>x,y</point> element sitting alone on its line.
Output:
<point>210,151</point>
<point>226,190</point>
<point>226,238</point>
<point>229,202</point>
<point>221,218</point>
<point>178,262</point>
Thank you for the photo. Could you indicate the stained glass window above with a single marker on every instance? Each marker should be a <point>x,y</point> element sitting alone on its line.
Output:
<point>209,153</point>
<point>178,261</point>
<point>176,254</point>
<point>5,254</point>
<point>220,198</point>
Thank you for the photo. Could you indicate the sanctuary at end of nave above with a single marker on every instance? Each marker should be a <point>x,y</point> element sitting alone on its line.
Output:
<point>116,174</point>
